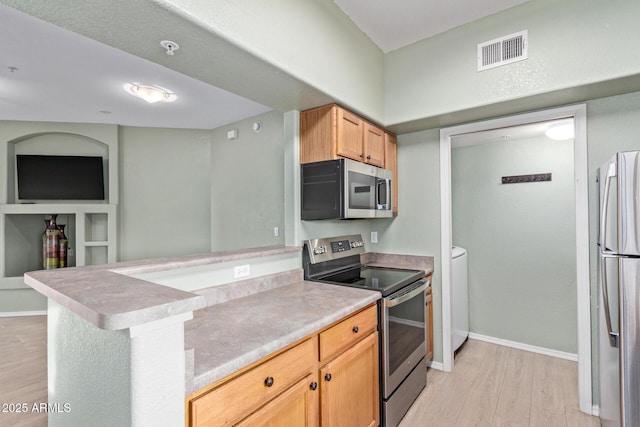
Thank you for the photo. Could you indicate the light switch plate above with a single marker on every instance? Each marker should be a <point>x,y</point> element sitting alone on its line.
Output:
<point>374,237</point>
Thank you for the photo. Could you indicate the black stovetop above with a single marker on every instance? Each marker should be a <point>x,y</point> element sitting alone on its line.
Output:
<point>384,280</point>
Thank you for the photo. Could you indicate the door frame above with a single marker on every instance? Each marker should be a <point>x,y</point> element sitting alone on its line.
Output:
<point>579,114</point>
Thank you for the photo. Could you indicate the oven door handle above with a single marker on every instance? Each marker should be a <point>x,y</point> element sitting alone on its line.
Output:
<point>405,297</point>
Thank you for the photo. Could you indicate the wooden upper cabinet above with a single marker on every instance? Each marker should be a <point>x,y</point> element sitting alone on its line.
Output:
<point>391,163</point>
<point>350,133</point>
<point>318,134</point>
<point>331,132</point>
<point>373,145</point>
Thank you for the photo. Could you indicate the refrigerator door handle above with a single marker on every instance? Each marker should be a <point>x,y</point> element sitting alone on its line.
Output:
<point>604,211</point>
<point>613,336</point>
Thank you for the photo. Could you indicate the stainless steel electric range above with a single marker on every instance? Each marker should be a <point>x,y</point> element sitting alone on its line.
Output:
<point>401,316</point>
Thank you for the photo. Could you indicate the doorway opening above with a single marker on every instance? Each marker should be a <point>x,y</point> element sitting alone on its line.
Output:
<point>582,309</point>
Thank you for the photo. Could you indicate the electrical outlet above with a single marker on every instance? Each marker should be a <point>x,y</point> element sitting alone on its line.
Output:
<point>241,271</point>
<point>374,237</point>
<point>276,232</point>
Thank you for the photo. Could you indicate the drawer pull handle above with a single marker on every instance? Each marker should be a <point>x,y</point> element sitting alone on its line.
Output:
<point>355,329</point>
<point>268,381</point>
<point>327,377</point>
<point>313,386</point>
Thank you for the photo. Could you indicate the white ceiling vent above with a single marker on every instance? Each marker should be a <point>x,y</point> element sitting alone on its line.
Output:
<point>503,50</point>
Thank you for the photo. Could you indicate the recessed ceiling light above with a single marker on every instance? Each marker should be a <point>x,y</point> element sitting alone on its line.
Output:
<point>150,93</point>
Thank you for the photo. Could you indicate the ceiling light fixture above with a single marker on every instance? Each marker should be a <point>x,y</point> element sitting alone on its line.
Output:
<point>150,93</point>
<point>560,131</point>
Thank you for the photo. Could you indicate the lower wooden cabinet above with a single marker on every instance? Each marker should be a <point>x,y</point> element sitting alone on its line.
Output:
<point>233,400</point>
<point>328,379</point>
<point>428,297</point>
<point>298,406</point>
<point>349,387</point>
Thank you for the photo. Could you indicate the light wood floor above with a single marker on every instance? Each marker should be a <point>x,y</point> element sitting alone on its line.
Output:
<point>23,370</point>
<point>493,385</point>
<point>490,386</point>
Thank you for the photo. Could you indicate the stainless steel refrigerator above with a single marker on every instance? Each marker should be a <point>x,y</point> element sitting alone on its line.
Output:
<point>619,291</point>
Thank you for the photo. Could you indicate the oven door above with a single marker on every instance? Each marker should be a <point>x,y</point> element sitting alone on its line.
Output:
<point>403,334</point>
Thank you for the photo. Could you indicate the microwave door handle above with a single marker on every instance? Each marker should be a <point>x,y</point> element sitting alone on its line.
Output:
<point>388,183</point>
<point>379,183</point>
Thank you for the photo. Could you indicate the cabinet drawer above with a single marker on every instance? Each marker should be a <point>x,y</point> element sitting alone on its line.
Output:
<point>337,338</point>
<point>233,400</point>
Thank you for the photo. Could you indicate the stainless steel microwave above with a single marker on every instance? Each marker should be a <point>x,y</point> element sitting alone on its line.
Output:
<point>345,189</point>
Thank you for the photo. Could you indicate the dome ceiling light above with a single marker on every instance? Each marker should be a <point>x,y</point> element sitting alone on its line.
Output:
<point>560,131</point>
<point>150,93</point>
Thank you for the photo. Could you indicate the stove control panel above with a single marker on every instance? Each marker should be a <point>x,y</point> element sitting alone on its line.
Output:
<point>320,250</point>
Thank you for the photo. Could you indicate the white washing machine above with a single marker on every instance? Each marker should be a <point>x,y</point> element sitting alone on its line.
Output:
<point>459,297</point>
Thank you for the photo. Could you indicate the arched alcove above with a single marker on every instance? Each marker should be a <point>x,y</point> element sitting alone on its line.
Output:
<point>91,225</point>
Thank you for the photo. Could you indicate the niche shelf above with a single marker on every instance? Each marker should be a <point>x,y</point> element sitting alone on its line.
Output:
<point>90,227</point>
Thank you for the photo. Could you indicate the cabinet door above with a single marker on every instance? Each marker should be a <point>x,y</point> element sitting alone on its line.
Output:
<point>318,134</point>
<point>350,130</point>
<point>349,387</point>
<point>298,406</point>
<point>391,163</point>
<point>429,322</point>
<point>373,145</point>
<point>240,396</point>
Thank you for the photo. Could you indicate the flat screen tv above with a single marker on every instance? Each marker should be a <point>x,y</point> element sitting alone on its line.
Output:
<point>59,177</point>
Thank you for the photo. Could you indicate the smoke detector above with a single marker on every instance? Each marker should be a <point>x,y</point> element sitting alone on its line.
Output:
<point>170,46</point>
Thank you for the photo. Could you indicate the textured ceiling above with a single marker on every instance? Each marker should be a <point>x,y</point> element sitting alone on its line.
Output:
<point>48,73</point>
<point>52,74</point>
<point>394,24</point>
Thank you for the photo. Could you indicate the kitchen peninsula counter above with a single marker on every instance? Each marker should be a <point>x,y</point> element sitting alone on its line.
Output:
<point>126,346</point>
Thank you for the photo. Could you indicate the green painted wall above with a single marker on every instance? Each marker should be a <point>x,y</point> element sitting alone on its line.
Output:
<point>247,184</point>
<point>416,229</point>
<point>520,240</point>
<point>164,185</point>
<point>573,44</point>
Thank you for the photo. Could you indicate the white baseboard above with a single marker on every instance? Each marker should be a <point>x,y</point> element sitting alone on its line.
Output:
<point>436,365</point>
<point>525,347</point>
<point>23,313</point>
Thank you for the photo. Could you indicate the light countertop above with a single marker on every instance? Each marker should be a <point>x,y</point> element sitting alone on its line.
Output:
<point>109,297</point>
<point>229,336</point>
<point>234,324</point>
